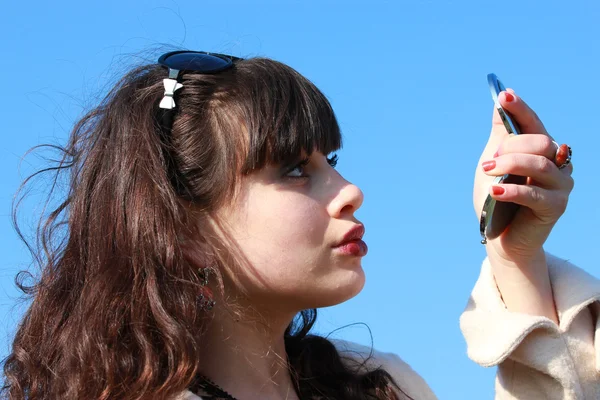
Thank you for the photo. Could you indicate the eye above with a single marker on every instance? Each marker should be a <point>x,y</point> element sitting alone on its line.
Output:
<point>297,171</point>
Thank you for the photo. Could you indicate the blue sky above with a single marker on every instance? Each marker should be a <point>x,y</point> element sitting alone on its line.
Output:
<point>407,80</point>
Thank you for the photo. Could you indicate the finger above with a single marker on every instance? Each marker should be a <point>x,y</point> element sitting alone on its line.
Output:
<point>547,204</point>
<point>567,169</point>
<point>522,113</point>
<point>543,171</point>
<point>538,144</point>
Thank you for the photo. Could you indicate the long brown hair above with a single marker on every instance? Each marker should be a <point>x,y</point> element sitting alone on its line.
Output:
<point>115,313</point>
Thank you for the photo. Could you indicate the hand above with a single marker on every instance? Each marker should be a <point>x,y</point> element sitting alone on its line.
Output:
<point>545,196</point>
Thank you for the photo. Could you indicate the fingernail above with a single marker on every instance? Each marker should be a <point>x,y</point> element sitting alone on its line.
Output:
<point>498,190</point>
<point>509,97</point>
<point>496,154</point>
<point>488,165</point>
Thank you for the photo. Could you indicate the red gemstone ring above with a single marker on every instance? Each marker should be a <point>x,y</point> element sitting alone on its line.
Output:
<point>562,158</point>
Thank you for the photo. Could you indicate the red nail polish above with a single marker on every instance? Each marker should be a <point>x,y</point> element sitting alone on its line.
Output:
<point>509,97</point>
<point>498,190</point>
<point>488,165</point>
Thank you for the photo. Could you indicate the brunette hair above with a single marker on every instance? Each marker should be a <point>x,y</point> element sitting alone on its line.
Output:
<point>115,312</point>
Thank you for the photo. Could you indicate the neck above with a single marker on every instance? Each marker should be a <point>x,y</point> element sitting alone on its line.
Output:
<point>247,358</point>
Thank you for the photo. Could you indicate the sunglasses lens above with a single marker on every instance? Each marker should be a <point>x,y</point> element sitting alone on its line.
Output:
<point>200,62</point>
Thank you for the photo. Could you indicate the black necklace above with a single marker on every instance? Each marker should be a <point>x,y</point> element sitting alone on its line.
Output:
<point>212,389</point>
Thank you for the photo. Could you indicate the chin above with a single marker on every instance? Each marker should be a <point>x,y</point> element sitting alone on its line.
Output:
<point>342,288</point>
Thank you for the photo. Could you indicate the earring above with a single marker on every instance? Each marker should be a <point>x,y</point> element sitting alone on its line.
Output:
<point>203,273</point>
<point>206,301</point>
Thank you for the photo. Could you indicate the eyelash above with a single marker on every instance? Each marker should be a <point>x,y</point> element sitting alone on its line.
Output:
<point>332,161</point>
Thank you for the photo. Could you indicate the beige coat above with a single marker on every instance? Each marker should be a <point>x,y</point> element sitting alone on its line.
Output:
<point>536,359</point>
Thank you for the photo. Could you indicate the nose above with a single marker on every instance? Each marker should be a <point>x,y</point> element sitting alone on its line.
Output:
<point>348,199</point>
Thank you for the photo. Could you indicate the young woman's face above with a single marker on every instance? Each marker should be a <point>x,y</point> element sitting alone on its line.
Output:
<point>287,222</point>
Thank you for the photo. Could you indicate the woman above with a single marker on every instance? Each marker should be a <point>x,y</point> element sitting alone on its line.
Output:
<point>206,223</point>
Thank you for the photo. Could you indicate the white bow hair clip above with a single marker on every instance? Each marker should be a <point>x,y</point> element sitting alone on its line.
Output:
<point>171,86</point>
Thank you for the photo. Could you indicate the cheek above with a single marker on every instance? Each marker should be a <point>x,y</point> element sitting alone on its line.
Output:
<point>293,222</point>
<point>283,236</point>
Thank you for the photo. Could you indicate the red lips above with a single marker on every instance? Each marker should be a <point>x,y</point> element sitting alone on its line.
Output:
<point>353,234</point>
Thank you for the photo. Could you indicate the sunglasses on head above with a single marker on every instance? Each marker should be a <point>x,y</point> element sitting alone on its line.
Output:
<point>190,61</point>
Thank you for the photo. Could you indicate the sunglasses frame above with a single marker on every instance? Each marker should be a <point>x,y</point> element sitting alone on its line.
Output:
<point>175,69</point>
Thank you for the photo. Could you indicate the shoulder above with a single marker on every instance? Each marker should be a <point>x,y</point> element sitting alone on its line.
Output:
<point>368,359</point>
